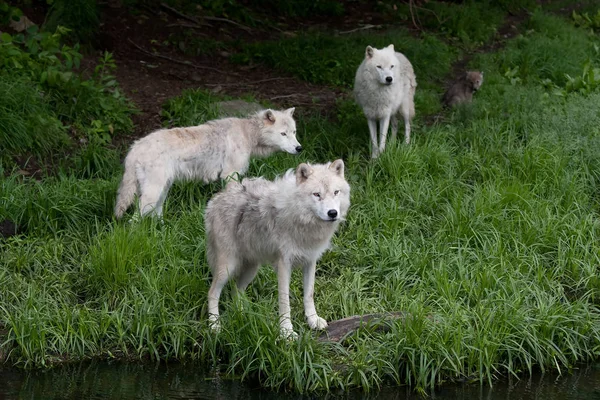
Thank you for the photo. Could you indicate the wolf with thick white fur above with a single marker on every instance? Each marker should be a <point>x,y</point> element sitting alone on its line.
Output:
<point>385,86</point>
<point>206,152</point>
<point>286,222</point>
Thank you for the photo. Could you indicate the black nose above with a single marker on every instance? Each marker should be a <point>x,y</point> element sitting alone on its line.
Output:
<point>332,214</point>
<point>389,79</point>
<point>298,149</point>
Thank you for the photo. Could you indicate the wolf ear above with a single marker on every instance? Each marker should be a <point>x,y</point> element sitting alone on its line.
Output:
<point>369,52</point>
<point>303,171</point>
<point>338,167</point>
<point>269,116</point>
<point>290,111</point>
<point>481,72</point>
<point>391,47</point>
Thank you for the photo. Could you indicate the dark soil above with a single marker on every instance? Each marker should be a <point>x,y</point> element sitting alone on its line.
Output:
<point>150,71</point>
<point>7,229</point>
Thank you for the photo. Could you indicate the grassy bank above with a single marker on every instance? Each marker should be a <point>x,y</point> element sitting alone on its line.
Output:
<point>484,230</point>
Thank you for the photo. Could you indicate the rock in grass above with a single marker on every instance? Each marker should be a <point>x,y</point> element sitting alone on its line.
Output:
<point>338,330</point>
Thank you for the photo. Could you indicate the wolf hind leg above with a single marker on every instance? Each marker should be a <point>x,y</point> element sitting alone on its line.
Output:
<point>223,271</point>
<point>394,124</point>
<point>407,114</point>
<point>246,274</point>
<point>154,187</point>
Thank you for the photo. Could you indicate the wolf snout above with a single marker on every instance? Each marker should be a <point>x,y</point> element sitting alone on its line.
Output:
<point>389,79</point>
<point>298,149</point>
<point>332,214</point>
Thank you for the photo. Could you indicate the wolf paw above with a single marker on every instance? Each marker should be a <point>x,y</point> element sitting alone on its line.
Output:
<point>288,333</point>
<point>316,322</point>
<point>214,324</point>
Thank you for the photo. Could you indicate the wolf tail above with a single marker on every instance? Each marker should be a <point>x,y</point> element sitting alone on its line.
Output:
<point>127,189</point>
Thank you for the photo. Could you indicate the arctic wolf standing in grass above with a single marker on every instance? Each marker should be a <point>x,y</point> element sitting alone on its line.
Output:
<point>207,152</point>
<point>287,222</point>
<point>384,86</point>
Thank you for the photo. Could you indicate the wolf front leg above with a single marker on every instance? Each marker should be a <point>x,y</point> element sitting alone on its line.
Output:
<point>284,274</point>
<point>313,319</point>
<point>384,124</point>
<point>373,132</point>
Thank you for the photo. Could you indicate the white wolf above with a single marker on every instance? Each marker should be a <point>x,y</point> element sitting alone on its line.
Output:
<point>384,86</point>
<point>207,152</point>
<point>287,222</point>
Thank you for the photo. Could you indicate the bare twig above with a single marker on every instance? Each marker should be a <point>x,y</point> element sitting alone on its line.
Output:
<point>286,96</point>
<point>411,4</point>
<point>219,19</point>
<point>196,21</point>
<point>193,26</point>
<point>175,60</point>
<point>180,14</point>
<point>368,26</point>
<point>247,83</point>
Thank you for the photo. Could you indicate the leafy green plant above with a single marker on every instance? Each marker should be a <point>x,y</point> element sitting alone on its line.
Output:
<point>585,20</point>
<point>60,100</point>
<point>586,83</point>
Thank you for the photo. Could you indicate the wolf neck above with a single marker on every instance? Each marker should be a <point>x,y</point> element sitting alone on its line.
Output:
<point>259,146</point>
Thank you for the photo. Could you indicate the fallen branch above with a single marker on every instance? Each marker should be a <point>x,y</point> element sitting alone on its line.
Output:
<point>195,20</point>
<point>189,64</point>
<point>368,26</point>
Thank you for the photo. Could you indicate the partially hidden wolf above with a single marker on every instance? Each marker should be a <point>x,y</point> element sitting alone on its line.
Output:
<point>462,90</point>
<point>286,222</point>
<point>206,152</point>
<point>385,86</point>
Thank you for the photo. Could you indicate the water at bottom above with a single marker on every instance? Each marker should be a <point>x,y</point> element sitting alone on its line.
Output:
<point>103,380</point>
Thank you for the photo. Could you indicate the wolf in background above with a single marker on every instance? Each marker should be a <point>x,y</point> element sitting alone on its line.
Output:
<point>384,86</point>
<point>462,90</point>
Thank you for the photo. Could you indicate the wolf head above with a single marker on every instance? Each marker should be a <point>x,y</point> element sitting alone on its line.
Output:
<point>325,190</point>
<point>475,78</point>
<point>381,63</point>
<point>279,130</point>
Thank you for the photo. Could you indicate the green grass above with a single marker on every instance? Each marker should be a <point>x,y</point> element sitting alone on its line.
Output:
<point>467,24</point>
<point>484,230</point>
<point>325,59</point>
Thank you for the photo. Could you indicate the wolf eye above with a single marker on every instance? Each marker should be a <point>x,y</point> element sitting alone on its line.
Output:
<point>283,134</point>
<point>317,195</point>
<point>379,66</point>
<point>336,192</point>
